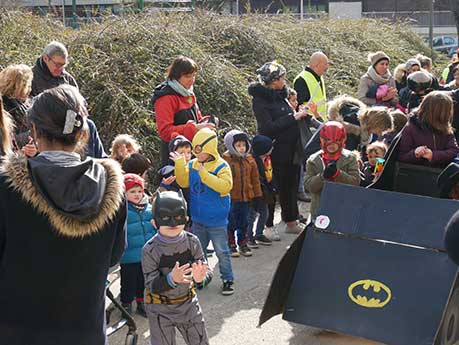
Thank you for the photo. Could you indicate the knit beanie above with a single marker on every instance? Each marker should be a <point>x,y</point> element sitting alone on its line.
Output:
<point>270,71</point>
<point>130,180</point>
<point>410,63</point>
<point>374,58</point>
<point>261,145</point>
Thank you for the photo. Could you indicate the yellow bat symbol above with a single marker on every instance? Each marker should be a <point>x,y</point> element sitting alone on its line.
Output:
<point>381,293</point>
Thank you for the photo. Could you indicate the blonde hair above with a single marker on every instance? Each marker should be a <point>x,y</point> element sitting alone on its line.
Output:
<point>377,145</point>
<point>436,110</point>
<point>6,129</point>
<point>123,139</point>
<point>376,119</point>
<point>16,81</point>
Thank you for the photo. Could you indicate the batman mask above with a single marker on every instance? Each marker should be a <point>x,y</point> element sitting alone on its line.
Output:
<point>169,209</point>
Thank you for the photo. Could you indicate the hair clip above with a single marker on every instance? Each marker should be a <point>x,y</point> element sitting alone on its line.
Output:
<point>70,122</point>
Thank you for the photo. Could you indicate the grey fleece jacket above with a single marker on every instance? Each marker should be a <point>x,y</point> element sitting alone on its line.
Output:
<point>159,258</point>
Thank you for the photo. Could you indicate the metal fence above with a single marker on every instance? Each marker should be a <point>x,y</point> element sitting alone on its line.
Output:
<point>418,18</point>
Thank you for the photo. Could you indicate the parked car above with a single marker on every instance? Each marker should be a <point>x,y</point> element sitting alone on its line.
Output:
<point>445,44</point>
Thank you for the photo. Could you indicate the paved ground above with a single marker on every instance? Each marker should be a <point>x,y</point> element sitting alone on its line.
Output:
<point>232,320</point>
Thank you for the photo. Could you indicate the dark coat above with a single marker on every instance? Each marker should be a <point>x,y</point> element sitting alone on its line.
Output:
<point>455,124</point>
<point>44,80</point>
<point>54,264</point>
<point>275,120</point>
<point>18,111</point>
<point>416,133</point>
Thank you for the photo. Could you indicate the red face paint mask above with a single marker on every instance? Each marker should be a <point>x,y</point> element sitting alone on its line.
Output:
<point>332,140</point>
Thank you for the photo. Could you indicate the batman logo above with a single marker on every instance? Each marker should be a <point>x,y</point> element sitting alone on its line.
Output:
<point>369,293</point>
<point>170,260</point>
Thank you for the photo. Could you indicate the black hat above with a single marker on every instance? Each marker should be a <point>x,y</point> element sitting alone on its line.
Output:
<point>452,238</point>
<point>261,145</point>
<point>447,179</point>
<point>169,209</point>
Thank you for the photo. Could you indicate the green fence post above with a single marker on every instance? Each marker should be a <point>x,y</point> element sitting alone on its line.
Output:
<point>74,14</point>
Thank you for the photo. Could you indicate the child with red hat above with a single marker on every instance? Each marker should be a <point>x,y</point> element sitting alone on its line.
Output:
<point>139,231</point>
<point>333,163</point>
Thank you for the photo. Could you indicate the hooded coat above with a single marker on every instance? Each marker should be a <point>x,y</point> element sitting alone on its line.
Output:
<point>210,185</point>
<point>246,180</point>
<point>62,225</point>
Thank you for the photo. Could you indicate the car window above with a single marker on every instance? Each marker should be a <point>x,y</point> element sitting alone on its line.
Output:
<point>448,41</point>
<point>437,42</point>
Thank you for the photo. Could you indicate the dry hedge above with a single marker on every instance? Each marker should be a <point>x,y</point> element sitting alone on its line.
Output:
<point>118,62</point>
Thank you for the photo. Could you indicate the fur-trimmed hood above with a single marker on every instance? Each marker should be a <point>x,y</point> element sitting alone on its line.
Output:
<point>78,197</point>
<point>347,109</point>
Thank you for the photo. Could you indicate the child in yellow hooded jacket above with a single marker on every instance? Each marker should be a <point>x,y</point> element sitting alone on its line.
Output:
<point>210,181</point>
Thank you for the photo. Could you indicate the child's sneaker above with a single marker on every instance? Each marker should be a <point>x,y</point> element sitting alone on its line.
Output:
<point>233,251</point>
<point>263,240</point>
<point>245,250</point>
<point>272,233</point>
<point>252,244</point>
<point>227,288</point>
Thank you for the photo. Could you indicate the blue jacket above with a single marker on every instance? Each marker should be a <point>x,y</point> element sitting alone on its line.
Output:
<point>208,207</point>
<point>139,231</point>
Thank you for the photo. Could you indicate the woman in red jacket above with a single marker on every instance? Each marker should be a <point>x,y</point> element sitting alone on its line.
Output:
<point>175,104</point>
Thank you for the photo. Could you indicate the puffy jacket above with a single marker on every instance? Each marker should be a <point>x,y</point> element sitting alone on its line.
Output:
<point>416,133</point>
<point>275,120</point>
<point>139,232</point>
<point>209,187</point>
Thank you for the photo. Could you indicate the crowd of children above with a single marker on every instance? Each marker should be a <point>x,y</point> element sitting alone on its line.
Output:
<point>229,199</point>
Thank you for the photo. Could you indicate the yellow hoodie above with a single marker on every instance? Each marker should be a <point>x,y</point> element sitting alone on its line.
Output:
<point>222,182</point>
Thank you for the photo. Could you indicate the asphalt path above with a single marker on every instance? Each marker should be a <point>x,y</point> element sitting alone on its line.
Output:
<point>232,320</point>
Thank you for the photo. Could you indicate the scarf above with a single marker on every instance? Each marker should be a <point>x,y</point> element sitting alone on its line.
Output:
<point>177,87</point>
<point>378,79</point>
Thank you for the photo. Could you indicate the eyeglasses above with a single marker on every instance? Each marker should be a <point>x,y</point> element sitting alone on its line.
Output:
<point>58,64</point>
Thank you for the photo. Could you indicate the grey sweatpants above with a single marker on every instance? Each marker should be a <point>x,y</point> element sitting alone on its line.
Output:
<point>186,317</point>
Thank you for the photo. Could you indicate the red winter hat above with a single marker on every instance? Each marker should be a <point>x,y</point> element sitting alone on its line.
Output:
<point>130,180</point>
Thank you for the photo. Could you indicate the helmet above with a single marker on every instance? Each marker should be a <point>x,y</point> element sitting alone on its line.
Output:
<point>332,132</point>
<point>419,81</point>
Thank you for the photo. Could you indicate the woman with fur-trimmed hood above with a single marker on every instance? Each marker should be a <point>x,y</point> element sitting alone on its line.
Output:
<point>62,225</point>
<point>359,120</point>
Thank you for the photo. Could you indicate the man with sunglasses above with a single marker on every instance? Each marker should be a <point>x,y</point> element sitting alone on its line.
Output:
<point>49,70</point>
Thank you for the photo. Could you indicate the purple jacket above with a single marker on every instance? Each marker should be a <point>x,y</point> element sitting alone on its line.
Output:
<point>443,146</point>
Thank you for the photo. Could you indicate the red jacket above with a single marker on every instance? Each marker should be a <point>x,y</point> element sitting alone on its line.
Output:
<point>175,113</point>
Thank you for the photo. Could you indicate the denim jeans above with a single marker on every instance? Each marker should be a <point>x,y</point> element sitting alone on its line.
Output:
<point>260,209</point>
<point>238,221</point>
<point>219,238</point>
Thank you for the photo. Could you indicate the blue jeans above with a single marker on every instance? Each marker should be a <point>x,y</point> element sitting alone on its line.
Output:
<point>219,238</point>
<point>260,208</point>
<point>238,215</point>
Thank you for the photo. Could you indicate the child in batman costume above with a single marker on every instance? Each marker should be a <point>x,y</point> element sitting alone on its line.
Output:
<point>174,267</point>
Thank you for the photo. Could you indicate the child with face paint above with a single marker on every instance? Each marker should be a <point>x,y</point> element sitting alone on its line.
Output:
<point>210,181</point>
<point>139,231</point>
<point>174,266</point>
<point>333,163</point>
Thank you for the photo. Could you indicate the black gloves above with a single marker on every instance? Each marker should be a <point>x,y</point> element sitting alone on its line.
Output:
<point>330,170</point>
